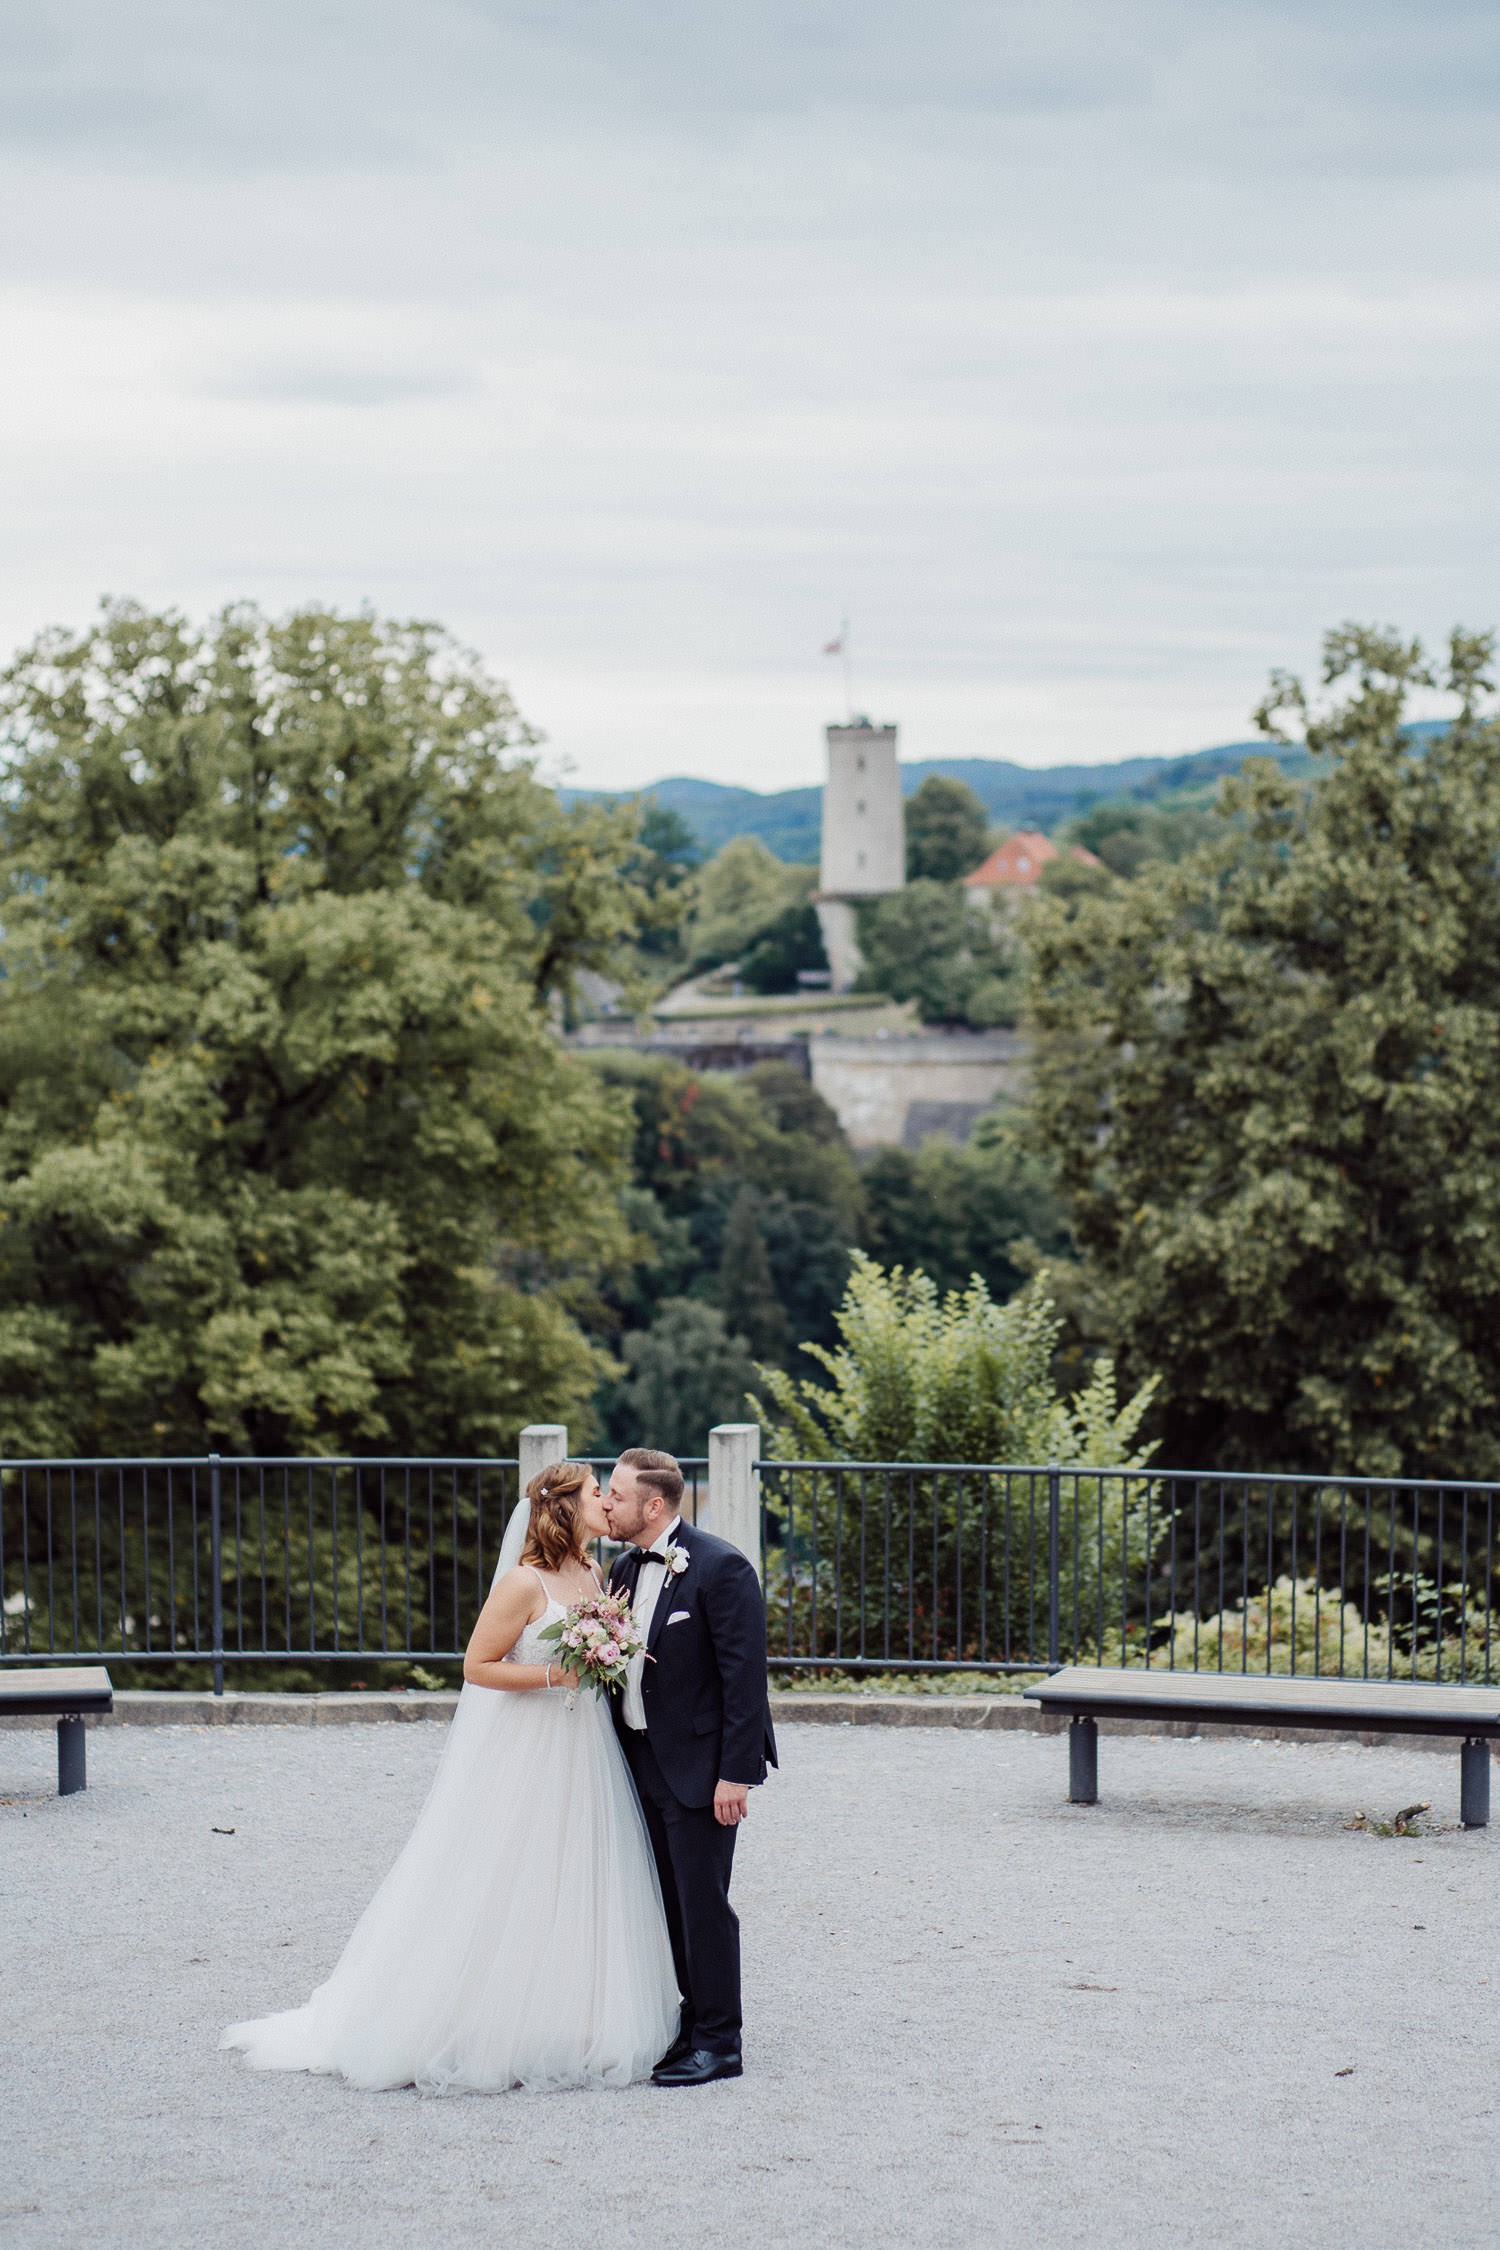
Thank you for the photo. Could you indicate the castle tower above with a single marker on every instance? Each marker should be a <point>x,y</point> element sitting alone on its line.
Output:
<point>864,837</point>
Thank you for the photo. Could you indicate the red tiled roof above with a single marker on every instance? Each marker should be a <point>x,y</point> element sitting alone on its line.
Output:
<point>1020,860</point>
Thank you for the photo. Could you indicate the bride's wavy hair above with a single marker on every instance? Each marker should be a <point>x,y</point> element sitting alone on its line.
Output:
<point>555,1531</point>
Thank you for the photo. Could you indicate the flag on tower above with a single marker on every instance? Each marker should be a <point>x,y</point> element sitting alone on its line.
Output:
<point>834,648</point>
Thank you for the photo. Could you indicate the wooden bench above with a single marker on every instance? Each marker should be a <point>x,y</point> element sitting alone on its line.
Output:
<point>1089,1693</point>
<point>69,1693</point>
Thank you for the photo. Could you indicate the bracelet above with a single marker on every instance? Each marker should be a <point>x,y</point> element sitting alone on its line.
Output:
<point>548,1681</point>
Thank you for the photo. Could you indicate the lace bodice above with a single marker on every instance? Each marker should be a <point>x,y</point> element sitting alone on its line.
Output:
<point>530,1648</point>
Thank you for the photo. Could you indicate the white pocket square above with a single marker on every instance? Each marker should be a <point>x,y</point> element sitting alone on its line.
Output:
<point>679,1616</point>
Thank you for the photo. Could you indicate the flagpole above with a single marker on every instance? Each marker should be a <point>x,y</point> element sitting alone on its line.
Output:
<point>840,647</point>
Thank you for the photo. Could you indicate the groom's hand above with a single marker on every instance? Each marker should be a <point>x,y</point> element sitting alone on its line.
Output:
<point>731,1803</point>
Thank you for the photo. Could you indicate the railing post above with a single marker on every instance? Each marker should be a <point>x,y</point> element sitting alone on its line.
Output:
<point>216,1564</point>
<point>1054,1565</point>
<point>734,1486</point>
<point>542,1443</point>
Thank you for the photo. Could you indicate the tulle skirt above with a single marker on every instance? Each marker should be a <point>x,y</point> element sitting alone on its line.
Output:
<point>519,1939</point>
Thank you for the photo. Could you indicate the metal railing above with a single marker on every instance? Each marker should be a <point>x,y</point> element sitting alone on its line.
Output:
<point>948,1566</point>
<point>228,1560</point>
<point>869,1567</point>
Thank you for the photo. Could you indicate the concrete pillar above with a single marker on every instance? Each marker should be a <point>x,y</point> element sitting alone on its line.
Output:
<point>734,1486</point>
<point>542,1443</point>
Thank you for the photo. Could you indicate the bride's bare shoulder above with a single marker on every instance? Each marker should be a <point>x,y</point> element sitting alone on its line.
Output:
<point>520,1588</point>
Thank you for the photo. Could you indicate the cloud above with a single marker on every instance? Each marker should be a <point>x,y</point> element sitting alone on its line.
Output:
<point>325,83</point>
<point>1096,354</point>
<point>309,383</point>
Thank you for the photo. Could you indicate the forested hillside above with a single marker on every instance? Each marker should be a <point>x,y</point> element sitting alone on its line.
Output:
<point>787,820</point>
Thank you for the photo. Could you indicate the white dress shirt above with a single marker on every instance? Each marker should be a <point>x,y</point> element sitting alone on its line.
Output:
<point>649,1588</point>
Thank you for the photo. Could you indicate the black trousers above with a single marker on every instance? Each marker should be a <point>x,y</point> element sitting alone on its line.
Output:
<point>694,1856</point>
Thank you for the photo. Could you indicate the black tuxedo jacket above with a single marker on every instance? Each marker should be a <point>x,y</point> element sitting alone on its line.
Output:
<point>708,1711</point>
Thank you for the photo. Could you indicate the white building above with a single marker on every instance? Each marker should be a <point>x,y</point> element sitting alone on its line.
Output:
<point>864,836</point>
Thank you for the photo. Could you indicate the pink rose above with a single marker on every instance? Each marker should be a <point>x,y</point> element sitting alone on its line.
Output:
<point>610,1654</point>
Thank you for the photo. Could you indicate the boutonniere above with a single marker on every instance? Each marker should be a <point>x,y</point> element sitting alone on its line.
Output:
<point>676,1559</point>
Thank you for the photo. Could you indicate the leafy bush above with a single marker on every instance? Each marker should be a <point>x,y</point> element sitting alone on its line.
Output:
<point>1297,1629</point>
<point>921,1378</point>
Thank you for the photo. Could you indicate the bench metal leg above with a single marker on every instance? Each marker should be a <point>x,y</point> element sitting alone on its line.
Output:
<point>72,1767</point>
<point>1083,1762</point>
<point>1474,1784</point>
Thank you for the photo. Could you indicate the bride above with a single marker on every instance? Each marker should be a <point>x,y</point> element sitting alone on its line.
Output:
<point>519,1939</point>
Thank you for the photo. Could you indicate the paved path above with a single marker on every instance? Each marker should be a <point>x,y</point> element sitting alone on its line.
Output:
<point>1201,2013</point>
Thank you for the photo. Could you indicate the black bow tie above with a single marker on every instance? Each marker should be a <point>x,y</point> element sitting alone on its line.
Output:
<point>632,1563</point>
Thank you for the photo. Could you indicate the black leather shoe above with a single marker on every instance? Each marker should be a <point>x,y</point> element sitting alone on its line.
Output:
<point>697,2068</point>
<point>680,2049</point>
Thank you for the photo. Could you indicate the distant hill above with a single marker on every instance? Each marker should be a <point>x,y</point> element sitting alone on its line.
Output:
<point>787,820</point>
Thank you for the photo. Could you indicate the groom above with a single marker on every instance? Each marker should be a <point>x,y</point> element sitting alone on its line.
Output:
<point>695,1722</point>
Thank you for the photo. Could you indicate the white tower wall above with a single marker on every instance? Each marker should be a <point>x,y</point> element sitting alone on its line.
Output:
<point>864,835</point>
<point>840,941</point>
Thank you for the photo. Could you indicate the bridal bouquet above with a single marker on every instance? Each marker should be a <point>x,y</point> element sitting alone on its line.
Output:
<point>597,1639</point>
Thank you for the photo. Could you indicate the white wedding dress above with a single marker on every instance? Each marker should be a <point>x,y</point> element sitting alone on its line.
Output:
<point>519,1939</point>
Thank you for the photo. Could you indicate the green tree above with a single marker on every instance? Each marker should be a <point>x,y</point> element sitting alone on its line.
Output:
<point>747,1293</point>
<point>290,1156</point>
<point>696,1132</point>
<point>1270,1080</point>
<point>947,831</point>
<point>707,1143</point>
<point>686,1372</point>
<point>956,1212</point>
<point>1129,836</point>
<point>665,853</point>
<point>737,896</point>
<point>793,941</point>
<point>1069,877</point>
<point>794,1104</point>
<point>931,944</point>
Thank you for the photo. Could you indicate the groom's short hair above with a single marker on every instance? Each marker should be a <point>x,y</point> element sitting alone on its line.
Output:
<point>658,1472</point>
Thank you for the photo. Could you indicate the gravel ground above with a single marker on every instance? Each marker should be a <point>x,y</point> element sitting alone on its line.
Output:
<point>1201,2012</point>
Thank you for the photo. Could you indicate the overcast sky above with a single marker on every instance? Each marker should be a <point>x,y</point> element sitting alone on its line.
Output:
<point>1094,355</point>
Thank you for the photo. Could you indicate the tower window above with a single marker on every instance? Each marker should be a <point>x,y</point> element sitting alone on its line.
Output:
<point>859,805</point>
<point>859,763</point>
